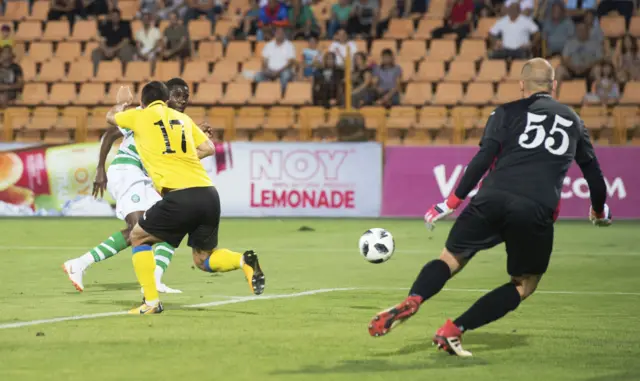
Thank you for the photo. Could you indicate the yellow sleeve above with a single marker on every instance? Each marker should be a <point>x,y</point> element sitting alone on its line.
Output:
<point>199,137</point>
<point>127,119</point>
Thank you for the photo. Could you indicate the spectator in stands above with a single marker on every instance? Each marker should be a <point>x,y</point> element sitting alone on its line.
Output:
<point>278,60</point>
<point>364,18</point>
<point>176,39</point>
<point>170,7</point>
<point>196,8</point>
<point>458,19</point>
<point>340,45</point>
<point>579,55</point>
<point>406,8</point>
<point>6,39</point>
<point>328,83</point>
<point>489,8</point>
<point>387,80</point>
<point>302,20</point>
<point>11,79</point>
<point>340,14</point>
<point>557,29</point>
<point>624,7</point>
<point>115,43</point>
<point>95,7</point>
<point>148,39</point>
<point>577,8</point>
<point>249,24</point>
<point>526,6</point>
<point>273,14</point>
<point>605,89</point>
<point>361,82</point>
<point>513,35</point>
<point>311,56</point>
<point>62,8</point>
<point>592,23</point>
<point>628,60</point>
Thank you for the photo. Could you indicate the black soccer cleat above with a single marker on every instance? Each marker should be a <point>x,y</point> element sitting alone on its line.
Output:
<point>253,272</point>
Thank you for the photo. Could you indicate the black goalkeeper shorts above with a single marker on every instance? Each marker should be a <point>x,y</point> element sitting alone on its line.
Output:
<point>193,211</point>
<point>494,217</point>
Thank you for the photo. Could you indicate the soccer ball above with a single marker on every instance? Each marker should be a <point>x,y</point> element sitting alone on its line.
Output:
<point>377,245</point>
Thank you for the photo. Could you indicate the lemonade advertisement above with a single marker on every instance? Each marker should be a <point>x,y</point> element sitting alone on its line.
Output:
<point>52,181</point>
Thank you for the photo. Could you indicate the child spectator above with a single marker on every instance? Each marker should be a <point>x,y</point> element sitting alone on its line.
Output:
<point>605,89</point>
<point>339,47</point>
<point>310,58</point>
<point>6,39</point>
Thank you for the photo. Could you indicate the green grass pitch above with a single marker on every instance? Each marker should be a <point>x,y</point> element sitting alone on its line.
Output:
<point>582,325</point>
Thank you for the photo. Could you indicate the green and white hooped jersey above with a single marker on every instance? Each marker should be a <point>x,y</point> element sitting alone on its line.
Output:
<point>127,153</point>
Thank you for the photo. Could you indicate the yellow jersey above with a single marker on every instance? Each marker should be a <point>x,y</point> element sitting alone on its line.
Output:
<point>166,140</point>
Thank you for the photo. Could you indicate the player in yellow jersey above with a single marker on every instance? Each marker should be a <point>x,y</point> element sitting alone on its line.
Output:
<point>170,145</point>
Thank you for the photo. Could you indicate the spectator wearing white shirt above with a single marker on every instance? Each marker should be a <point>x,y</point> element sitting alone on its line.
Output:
<point>148,39</point>
<point>513,35</point>
<point>278,60</point>
<point>526,6</point>
<point>339,47</point>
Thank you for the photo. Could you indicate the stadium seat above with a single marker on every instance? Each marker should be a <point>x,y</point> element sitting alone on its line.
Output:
<point>417,94</point>
<point>89,47</point>
<point>257,52</point>
<point>91,94</point>
<point>15,11</point>
<point>516,70</point>
<point>425,28</point>
<point>399,29</point>
<point>29,30</point>
<point>112,92</point>
<point>432,118</point>
<point>237,94</point>
<point>508,92</point>
<point>400,118</point>
<point>223,72</point>
<point>430,71</point>
<point>442,50</point>
<point>485,112</point>
<point>108,71</point>
<point>19,51</point>
<point>29,72</point>
<point>58,135</point>
<point>84,30</point>
<point>136,25</point>
<point>52,71</point>
<point>239,51</point>
<point>437,9</point>
<point>572,92</point>
<point>249,69</point>
<point>479,93</point>
<point>634,27</point>
<point>461,71</point>
<point>333,117</point>
<point>167,70</point>
<point>136,71</point>
<point>379,45</point>
<point>408,70</point>
<point>199,30</point>
<point>414,50</point>
<point>267,93</point>
<point>56,31</point>
<point>34,94</point>
<point>68,51</point>
<point>195,71</point>
<point>128,9</point>
<point>613,26</point>
<point>221,118</point>
<point>374,119</point>
<point>595,117</point>
<point>15,119</point>
<point>62,94</point>
<point>280,118</point>
<point>208,94</point>
<point>484,26</point>
<point>631,93</point>
<point>311,118</point>
<point>81,71</point>
<point>448,94</point>
<point>492,71</point>
<point>41,51</point>
<point>210,51</point>
<point>223,27</point>
<point>472,50</point>
<point>627,117</point>
<point>297,93</point>
<point>39,11</point>
<point>247,120</point>
<point>361,46</point>
<point>464,118</point>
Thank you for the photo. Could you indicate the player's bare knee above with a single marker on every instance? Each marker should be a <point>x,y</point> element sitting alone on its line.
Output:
<point>455,262</point>
<point>526,284</point>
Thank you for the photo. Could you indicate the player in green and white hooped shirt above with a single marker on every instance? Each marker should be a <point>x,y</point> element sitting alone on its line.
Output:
<point>134,193</point>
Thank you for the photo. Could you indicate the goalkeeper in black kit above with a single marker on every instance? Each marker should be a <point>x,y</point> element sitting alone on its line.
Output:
<point>528,147</point>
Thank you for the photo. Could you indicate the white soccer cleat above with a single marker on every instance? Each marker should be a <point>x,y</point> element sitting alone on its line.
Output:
<point>74,271</point>
<point>164,289</point>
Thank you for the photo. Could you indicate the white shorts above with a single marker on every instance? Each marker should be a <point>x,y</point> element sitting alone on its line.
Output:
<point>131,188</point>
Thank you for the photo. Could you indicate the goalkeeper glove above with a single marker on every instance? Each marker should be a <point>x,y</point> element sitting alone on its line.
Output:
<point>600,219</point>
<point>441,210</point>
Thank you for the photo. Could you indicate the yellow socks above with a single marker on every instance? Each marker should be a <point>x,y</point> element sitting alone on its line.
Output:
<point>144,265</point>
<point>223,260</point>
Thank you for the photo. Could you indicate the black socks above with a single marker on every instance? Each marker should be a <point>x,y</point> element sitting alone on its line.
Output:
<point>431,279</point>
<point>490,307</point>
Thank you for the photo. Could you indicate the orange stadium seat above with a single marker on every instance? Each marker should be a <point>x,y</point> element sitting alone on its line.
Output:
<point>109,71</point>
<point>92,94</point>
<point>237,94</point>
<point>223,27</point>
<point>595,117</point>
<point>222,118</point>
<point>19,51</point>
<point>572,92</point>
<point>97,121</point>
<point>195,71</point>
<point>297,93</point>
<point>112,93</point>
<point>29,72</point>
<point>259,48</point>
<point>437,9</point>
<point>461,71</point>
<point>627,117</point>
<point>280,118</point>
<point>472,50</point>
<point>80,114</point>
<point>430,71</point>
<point>248,119</point>
<point>613,26</point>
<point>199,30</point>
<point>81,71</point>
<point>62,94</point>
<point>479,93</point>
<point>240,51</point>
<point>631,93</point>
<point>484,26</point>
<point>312,118</point>
<point>198,114</point>
<point>508,92</point>
<point>516,70</point>
<point>39,11</point>
<point>128,9</point>
<point>414,50</point>
<point>136,25</point>
<point>432,118</point>
<point>374,119</point>
<point>379,45</point>
<point>167,70</point>
<point>408,69</point>
<point>425,28</point>
<point>254,65</point>
<point>492,71</point>
<point>56,31</point>
<point>399,29</point>
<point>68,51</point>
<point>361,46</point>
<point>29,31</point>
<point>448,94</point>
<point>44,118</point>
<point>442,50</point>
<point>417,94</point>
<point>34,94</point>
<point>465,117</point>
<point>84,30</point>
<point>89,47</point>
<point>634,27</point>
<point>210,51</point>
<point>224,71</point>
<point>267,93</point>
<point>52,71</point>
<point>41,51</point>
<point>15,11</point>
<point>485,113</point>
<point>136,71</point>
<point>401,118</point>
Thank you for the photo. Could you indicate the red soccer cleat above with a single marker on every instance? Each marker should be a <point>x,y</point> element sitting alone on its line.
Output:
<point>448,338</point>
<point>383,322</point>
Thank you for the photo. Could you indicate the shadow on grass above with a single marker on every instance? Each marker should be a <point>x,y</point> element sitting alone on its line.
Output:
<point>626,376</point>
<point>125,286</point>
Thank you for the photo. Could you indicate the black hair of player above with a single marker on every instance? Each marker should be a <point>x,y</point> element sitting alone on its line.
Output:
<point>154,91</point>
<point>178,94</point>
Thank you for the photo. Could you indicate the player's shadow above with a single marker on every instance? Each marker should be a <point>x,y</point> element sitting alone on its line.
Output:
<point>480,341</point>
<point>124,286</point>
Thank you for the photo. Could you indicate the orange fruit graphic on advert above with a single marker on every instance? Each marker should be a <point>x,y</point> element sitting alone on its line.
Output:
<point>11,168</point>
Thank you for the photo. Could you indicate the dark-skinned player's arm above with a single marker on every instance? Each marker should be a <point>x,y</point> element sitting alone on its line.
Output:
<point>478,166</point>
<point>599,213</point>
<point>202,139</point>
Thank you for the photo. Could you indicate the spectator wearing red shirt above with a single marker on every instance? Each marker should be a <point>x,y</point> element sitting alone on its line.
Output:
<point>458,19</point>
